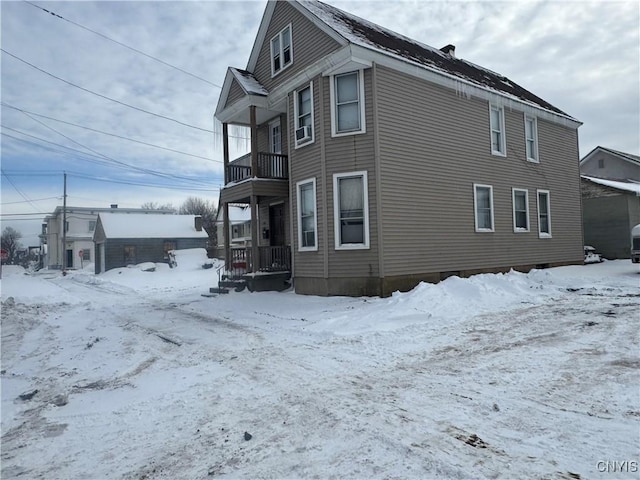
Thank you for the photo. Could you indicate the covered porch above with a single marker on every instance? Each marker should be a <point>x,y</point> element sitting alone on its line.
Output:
<point>259,179</point>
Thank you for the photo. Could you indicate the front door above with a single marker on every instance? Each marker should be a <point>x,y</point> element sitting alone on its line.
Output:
<point>69,263</point>
<point>276,225</point>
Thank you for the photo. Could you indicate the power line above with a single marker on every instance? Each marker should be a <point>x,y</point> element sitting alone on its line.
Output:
<point>18,190</point>
<point>110,134</point>
<point>122,44</point>
<point>104,96</point>
<point>143,170</point>
<point>139,184</point>
<point>33,200</point>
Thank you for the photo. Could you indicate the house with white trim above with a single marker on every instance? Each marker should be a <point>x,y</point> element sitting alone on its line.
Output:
<point>378,161</point>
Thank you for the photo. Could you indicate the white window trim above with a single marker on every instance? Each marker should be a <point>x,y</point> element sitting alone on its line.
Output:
<point>544,234</point>
<point>475,208</point>
<point>315,219</point>
<point>332,97</point>
<point>535,139</point>
<point>298,144</point>
<point>336,211</point>
<point>273,123</point>
<point>282,66</point>
<point>517,229</point>
<point>503,136</point>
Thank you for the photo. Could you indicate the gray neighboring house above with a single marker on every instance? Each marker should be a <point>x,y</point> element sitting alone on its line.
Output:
<point>378,162</point>
<point>122,240</point>
<point>611,164</point>
<point>610,200</point>
<point>80,226</point>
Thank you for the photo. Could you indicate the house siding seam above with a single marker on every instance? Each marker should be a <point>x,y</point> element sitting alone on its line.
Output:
<point>308,42</point>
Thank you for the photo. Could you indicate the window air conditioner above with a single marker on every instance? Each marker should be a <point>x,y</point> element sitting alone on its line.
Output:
<point>303,133</point>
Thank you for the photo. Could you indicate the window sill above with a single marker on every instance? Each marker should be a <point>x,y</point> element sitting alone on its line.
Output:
<point>544,235</point>
<point>275,74</point>
<point>496,153</point>
<point>346,134</point>
<point>304,144</point>
<point>485,230</point>
<point>307,249</point>
<point>520,230</point>
<point>532,160</point>
<point>352,246</point>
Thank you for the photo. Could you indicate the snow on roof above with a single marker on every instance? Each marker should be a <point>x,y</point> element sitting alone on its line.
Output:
<point>619,185</point>
<point>237,214</point>
<point>248,82</point>
<point>137,225</point>
<point>369,35</point>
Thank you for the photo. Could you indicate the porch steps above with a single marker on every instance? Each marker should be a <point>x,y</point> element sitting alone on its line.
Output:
<point>225,285</point>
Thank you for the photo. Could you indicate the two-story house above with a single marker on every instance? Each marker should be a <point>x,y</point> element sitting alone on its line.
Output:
<point>378,162</point>
<point>64,246</point>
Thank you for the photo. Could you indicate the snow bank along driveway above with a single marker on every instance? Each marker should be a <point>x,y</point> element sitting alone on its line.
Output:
<point>135,375</point>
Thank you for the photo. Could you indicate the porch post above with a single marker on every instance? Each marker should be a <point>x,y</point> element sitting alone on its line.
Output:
<point>225,151</point>
<point>254,141</point>
<point>226,235</point>
<point>255,260</point>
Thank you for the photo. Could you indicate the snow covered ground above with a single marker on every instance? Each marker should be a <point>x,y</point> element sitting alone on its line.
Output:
<point>136,375</point>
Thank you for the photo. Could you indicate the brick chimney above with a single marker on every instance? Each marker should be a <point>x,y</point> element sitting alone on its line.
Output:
<point>198,223</point>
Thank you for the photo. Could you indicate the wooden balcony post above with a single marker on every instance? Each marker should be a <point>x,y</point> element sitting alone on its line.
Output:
<point>254,141</point>
<point>226,232</point>
<point>255,258</point>
<point>225,151</point>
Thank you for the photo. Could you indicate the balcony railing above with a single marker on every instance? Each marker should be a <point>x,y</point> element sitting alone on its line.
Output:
<point>270,259</point>
<point>270,165</point>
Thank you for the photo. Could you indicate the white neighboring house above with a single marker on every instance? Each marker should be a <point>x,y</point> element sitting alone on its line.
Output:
<point>81,224</point>
<point>240,227</point>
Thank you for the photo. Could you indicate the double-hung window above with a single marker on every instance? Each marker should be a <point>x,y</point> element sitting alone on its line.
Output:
<point>531,138</point>
<point>281,51</point>
<point>483,205</point>
<point>544,214</point>
<point>347,100</point>
<point>496,120</point>
<point>303,115</point>
<point>351,210</point>
<point>520,210</point>
<point>307,220</point>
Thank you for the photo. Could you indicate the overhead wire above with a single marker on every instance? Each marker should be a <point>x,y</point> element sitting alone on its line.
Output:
<point>133,167</point>
<point>18,190</point>
<point>104,96</point>
<point>56,15</point>
<point>109,134</point>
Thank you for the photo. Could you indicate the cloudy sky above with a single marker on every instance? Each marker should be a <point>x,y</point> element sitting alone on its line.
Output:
<point>153,138</point>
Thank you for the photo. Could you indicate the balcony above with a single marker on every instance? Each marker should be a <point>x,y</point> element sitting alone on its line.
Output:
<point>269,165</point>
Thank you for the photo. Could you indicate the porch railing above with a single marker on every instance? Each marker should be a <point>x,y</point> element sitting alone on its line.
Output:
<point>270,259</point>
<point>270,165</point>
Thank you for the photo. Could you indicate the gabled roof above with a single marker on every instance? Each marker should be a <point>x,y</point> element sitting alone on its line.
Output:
<point>237,214</point>
<point>346,29</point>
<point>632,187</point>
<point>248,82</point>
<point>135,225</point>
<point>369,35</point>
<point>628,157</point>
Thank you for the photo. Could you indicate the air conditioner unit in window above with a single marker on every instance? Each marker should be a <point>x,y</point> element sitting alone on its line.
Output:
<point>303,133</point>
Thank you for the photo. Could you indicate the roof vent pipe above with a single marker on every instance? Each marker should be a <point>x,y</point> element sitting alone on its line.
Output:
<point>198,224</point>
<point>449,50</point>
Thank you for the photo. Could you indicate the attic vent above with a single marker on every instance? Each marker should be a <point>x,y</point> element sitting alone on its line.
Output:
<point>449,50</point>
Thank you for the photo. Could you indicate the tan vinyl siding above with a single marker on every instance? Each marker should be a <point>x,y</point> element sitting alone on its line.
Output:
<point>346,154</point>
<point>309,44</point>
<point>235,93</point>
<point>304,164</point>
<point>434,145</point>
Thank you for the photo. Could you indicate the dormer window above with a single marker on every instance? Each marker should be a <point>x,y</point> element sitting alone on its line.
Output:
<point>281,51</point>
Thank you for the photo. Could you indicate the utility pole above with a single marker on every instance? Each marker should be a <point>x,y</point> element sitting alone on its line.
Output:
<point>64,227</point>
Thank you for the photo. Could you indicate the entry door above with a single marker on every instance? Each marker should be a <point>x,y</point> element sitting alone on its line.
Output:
<point>69,258</point>
<point>276,224</point>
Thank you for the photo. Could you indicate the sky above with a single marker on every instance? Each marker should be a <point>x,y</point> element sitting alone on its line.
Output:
<point>153,138</point>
